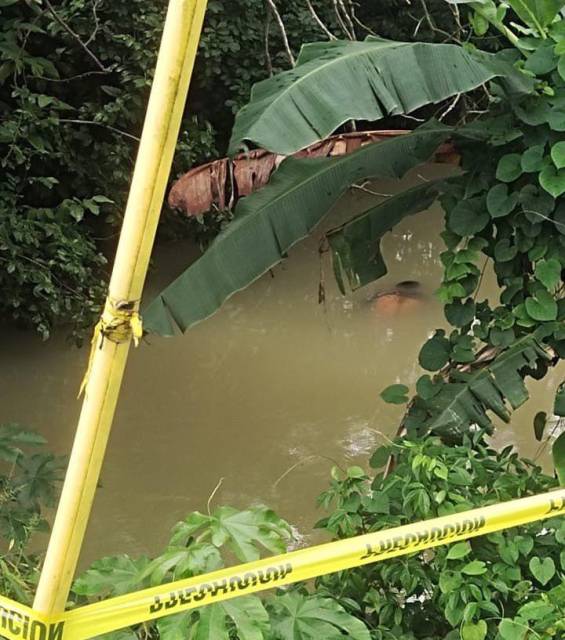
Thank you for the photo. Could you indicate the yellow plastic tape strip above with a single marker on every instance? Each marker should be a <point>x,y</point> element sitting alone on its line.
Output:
<point>149,604</point>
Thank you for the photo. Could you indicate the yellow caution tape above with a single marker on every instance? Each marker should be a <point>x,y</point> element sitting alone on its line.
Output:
<point>18,622</point>
<point>119,321</point>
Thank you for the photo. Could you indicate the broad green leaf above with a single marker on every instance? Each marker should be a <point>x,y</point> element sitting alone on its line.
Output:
<point>380,457</point>
<point>434,354</point>
<point>247,614</point>
<point>556,115</point>
<point>355,245</point>
<point>542,307</point>
<point>536,13</point>
<point>112,576</point>
<point>509,167</point>
<point>298,107</point>
<point>536,202</point>
<point>13,437</point>
<point>548,272</point>
<point>474,568</point>
<point>460,314</point>
<point>499,202</point>
<point>450,581</point>
<point>558,453</point>
<point>273,219</point>
<point>298,617</point>
<point>459,550</point>
<point>474,630</point>
<point>532,158</point>
<point>535,610</point>
<point>468,217</point>
<point>542,60</point>
<point>542,570</point>
<point>510,630</point>
<point>558,154</point>
<point>395,394</point>
<point>504,251</point>
<point>247,532</point>
<point>183,562</point>
<point>561,67</point>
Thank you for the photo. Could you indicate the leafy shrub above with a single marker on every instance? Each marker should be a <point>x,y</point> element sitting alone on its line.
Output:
<point>29,482</point>
<point>203,543</point>
<point>508,585</point>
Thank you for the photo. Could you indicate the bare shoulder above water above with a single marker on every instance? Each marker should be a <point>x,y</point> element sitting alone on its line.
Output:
<point>405,296</point>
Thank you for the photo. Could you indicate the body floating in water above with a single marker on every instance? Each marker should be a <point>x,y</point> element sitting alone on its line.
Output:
<point>404,297</point>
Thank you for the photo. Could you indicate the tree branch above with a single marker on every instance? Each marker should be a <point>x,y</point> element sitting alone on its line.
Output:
<point>278,18</point>
<point>319,22</point>
<point>74,35</point>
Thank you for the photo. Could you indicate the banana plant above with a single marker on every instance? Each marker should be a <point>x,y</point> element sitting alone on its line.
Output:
<point>295,108</point>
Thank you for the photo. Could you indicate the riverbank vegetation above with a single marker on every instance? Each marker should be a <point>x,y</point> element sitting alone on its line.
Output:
<point>503,209</point>
<point>74,80</point>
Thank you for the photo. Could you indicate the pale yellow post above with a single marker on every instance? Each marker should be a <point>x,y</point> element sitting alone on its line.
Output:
<point>164,112</point>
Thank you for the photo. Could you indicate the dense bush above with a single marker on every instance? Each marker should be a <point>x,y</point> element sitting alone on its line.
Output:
<point>507,585</point>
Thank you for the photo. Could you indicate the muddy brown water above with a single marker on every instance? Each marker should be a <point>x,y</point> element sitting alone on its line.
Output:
<point>265,396</point>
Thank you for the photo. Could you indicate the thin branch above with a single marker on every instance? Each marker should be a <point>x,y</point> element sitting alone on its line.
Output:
<point>319,22</point>
<point>340,20</point>
<point>79,76</point>
<point>96,22</point>
<point>356,19</point>
<point>74,35</point>
<point>348,19</point>
<point>278,18</point>
<point>362,187</point>
<point>450,107</point>
<point>267,52</point>
<point>100,124</point>
<point>216,488</point>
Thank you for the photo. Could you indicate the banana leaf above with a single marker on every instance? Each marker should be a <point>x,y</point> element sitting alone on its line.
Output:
<point>338,81</point>
<point>269,222</point>
<point>465,402</point>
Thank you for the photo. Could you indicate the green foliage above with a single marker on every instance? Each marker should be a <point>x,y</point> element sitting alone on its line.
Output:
<point>298,107</point>
<point>29,479</point>
<point>70,116</point>
<point>202,543</point>
<point>493,584</point>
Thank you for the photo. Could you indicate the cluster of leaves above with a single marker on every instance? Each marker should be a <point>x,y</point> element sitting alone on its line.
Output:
<point>508,585</point>
<point>74,78</point>
<point>202,543</point>
<point>29,481</point>
<point>504,209</point>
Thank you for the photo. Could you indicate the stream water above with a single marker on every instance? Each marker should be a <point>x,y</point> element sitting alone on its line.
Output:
<point>263,398</point>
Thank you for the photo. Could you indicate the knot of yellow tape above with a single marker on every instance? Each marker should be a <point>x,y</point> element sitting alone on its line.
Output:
<point>119,322</point>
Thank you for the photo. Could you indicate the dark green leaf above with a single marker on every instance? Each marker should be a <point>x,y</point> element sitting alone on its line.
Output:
<point>395,394</point>
<point>499,202</point>
<point>509,167</point>
<point>435,353</point>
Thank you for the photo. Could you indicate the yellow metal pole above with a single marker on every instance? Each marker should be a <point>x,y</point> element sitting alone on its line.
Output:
<point>120,321</point>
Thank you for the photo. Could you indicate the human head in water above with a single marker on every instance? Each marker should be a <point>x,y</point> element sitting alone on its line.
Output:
<point>404,296</point>
<point>408,286</point>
